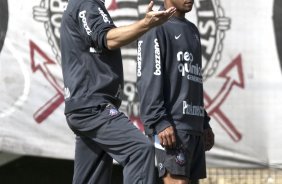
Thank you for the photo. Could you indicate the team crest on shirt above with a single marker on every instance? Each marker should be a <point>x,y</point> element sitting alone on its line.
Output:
<point>180,157</point>
<point>161,166</point>
<point>113,111</point>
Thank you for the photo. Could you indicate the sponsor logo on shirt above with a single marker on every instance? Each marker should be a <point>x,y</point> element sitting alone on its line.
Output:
<point>105,16</point>
<point>157,58</point>
<point>139,58</point>
<point>177,37</point>
<point>186,67</point>
<point>94,50</point>
<point>85,25</point>
<point>184,56</point>
<point>194,110</point>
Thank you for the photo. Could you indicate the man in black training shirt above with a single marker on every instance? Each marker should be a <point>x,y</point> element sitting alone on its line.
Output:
<point>93,79</point>
<point>170,87</point>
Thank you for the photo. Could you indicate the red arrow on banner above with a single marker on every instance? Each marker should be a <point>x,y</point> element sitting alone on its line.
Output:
<point>42,66</point>
<point>113,5</point>
<point>233,74</point>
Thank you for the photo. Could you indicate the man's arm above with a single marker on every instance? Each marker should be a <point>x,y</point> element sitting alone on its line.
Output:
<point>120,36</point>
<point>150,84</point>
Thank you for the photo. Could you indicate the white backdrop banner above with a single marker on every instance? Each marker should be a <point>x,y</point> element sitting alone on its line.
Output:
<point>242,50</point>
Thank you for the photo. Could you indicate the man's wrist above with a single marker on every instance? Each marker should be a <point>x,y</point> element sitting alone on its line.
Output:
<point>161,125</point>
<point>144,25</point>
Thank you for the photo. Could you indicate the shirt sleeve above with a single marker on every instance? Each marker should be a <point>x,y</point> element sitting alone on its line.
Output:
<point>94,22</point>
<point>150,82</point>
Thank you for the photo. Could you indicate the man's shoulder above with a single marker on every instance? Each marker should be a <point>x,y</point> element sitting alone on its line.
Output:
<point>191,24</point>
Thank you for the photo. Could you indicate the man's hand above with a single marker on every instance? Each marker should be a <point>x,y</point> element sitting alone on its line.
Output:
<point>167,137</point>
<point>154,18</point>
<point>208,139</point>
<point>123,35</point>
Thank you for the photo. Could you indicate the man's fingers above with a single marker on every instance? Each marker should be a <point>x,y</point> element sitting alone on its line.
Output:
<point>173,140</point>
<point>171,10</point>
<point>150,6</point>
<point>171,15</point>
<point>161,139</point>
<point>154,18</point>
<point>170,137</point>
<point>163,13</point>
<point>164,141</point>
<point>167,137</point>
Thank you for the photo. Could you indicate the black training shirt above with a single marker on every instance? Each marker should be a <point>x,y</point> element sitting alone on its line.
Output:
<point>92,74</point>
<point>169,77</point>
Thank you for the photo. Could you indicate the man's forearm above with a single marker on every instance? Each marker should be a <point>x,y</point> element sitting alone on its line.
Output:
<point>121,36</point>
<point>124,35</point>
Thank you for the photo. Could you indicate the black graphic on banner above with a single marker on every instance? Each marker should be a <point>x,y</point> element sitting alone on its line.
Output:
<point>3,21</point>
<point>277,18</point>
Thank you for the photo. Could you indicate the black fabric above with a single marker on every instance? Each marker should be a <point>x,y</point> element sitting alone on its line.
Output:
<point>103,133</point>
<point>187,159</point>
<point>92,74</point>
<point>169,78</point>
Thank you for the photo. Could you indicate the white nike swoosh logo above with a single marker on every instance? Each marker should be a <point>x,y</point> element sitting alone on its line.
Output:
<point>176,37</point>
